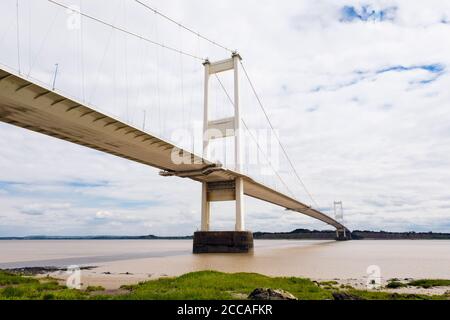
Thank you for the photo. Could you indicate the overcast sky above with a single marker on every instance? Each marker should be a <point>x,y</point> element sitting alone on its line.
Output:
<point>359,92</point>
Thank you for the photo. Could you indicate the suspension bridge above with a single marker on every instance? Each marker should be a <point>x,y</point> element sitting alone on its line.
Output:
<point>28,103</point>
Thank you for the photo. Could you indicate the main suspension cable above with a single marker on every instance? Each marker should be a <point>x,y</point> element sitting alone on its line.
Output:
<point>183,26</point>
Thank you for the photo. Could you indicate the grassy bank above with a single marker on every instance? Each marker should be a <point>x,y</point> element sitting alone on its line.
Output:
<point>196,285</point>
<point>13,286</point>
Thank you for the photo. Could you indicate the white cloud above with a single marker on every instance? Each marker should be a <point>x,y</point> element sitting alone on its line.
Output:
<point>103,214</point>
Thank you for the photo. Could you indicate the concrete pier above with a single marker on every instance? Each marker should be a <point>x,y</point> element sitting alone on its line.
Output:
<point>343,235</point>
<point>223,242</point>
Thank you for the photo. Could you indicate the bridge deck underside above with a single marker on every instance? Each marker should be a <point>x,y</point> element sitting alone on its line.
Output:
<point>31,106</point>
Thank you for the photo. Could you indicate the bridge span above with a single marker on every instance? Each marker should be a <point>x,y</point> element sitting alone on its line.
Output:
<point>29,105</point>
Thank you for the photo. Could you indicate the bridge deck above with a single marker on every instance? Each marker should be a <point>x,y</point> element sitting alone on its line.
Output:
<point>34,107</point>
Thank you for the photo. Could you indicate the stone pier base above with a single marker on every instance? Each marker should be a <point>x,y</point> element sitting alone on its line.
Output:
<point>223,242</point>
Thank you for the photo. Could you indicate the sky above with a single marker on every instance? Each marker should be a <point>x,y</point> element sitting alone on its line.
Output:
<point>358,92</point>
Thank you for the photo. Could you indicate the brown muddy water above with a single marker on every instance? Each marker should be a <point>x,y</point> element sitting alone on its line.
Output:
<point>130,261</point>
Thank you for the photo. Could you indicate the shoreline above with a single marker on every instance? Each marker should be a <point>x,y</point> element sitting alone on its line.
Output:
<point>114,281</point>
<point>297,234</point>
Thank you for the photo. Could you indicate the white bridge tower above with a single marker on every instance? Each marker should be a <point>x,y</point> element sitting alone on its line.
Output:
<point>238,240</point>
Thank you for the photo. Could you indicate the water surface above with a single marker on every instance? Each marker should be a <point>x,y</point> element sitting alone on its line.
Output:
<point>307,258</point>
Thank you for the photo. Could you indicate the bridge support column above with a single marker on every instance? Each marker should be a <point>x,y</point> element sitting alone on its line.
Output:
<point>239,186</point>
<point>239,240</point>
<point>343,234</point>
<point>206,212</point>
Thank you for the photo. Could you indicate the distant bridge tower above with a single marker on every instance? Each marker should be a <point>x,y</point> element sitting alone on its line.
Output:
<point>238,240</point>
<point>338,212</point>
<point>341,234</point>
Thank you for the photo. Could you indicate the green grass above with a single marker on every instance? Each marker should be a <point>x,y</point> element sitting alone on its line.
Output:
<point>393,279</point>
<point>396,284</point>
<point>428,283</point>
<point>345,286</point>
<point>193,286</point>
<point>222,286</point>
<point>94,288</point>
<point>7,278</point>
<point>18,287</point>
